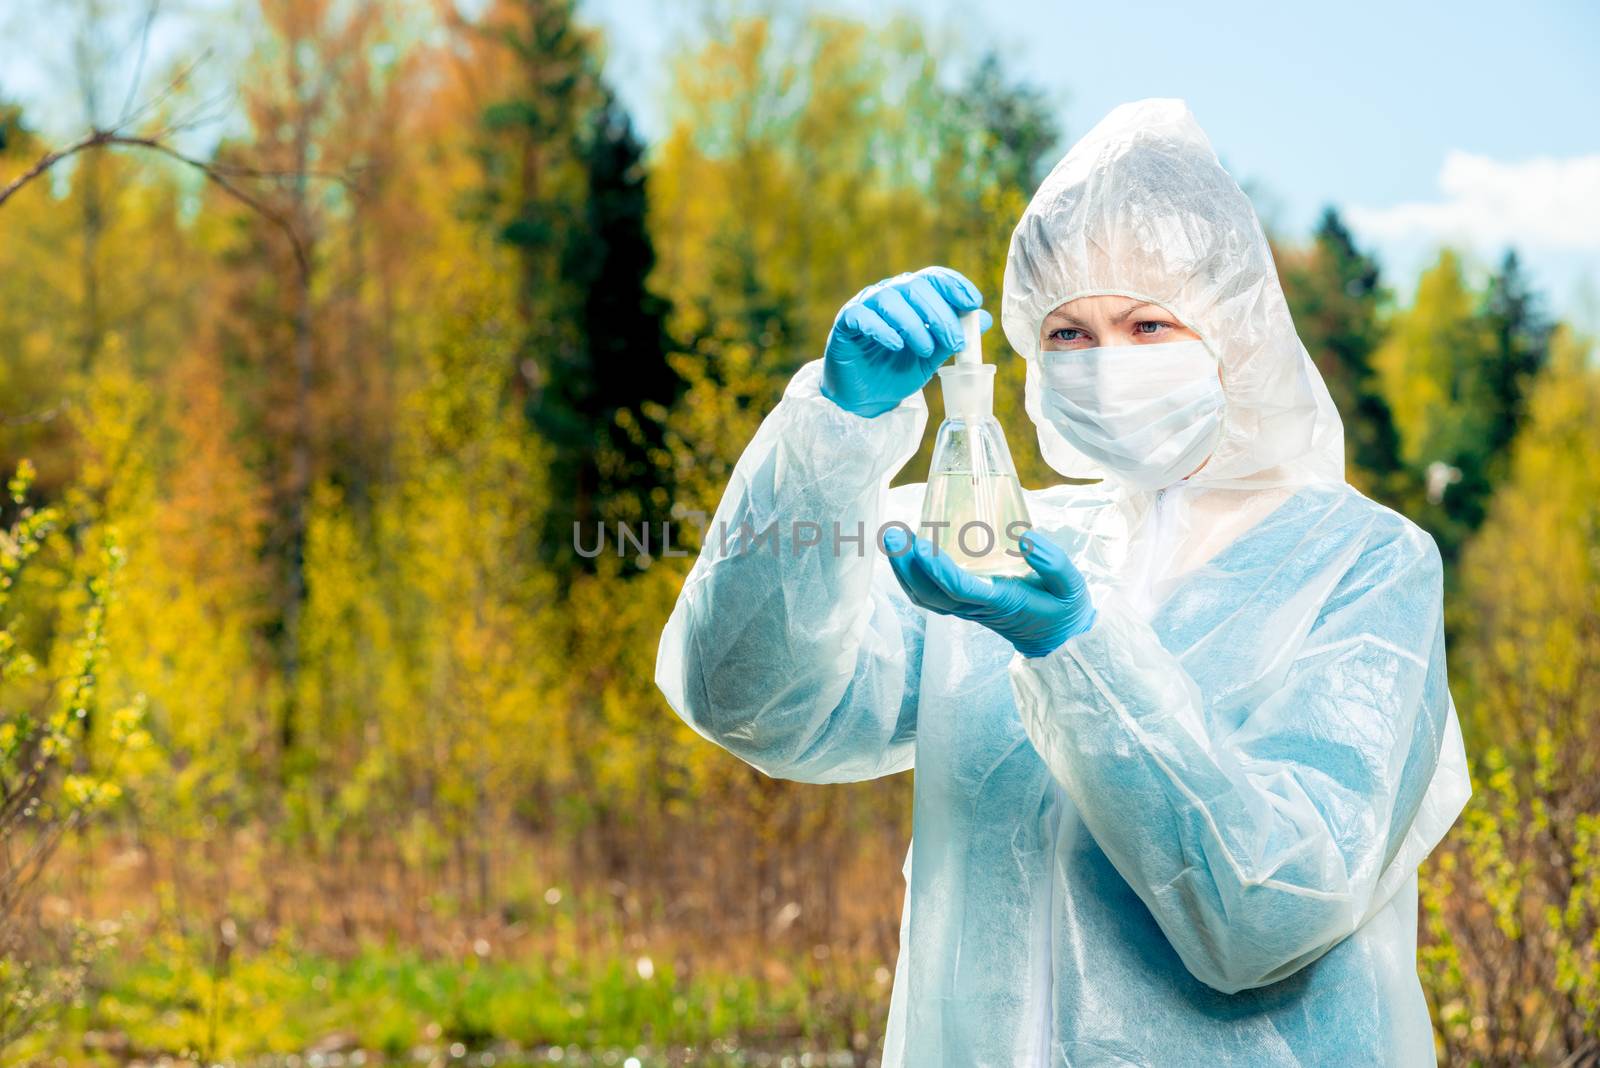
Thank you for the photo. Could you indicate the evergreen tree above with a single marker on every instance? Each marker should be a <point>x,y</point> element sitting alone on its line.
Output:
<point>566,190</point>
<point>16,140</point>
<point>1456,367</point>
<point>1335,292</point>
<point>612,401</point>
<point>534,189</point>
<point>1016,123</point>
<point>1521,348</point>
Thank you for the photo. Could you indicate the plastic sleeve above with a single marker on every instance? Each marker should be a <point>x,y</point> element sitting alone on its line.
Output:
<point>1258,846</point>
<point>803,660</point>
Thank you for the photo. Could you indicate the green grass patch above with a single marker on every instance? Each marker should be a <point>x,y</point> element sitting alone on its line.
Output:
<point>172,997</point>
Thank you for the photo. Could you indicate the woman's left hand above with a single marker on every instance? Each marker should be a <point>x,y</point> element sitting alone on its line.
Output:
<point>1035,614</point>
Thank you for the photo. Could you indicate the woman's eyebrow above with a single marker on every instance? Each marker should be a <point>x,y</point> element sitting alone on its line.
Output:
<point>1063,317</point>
<point>1122,316</point>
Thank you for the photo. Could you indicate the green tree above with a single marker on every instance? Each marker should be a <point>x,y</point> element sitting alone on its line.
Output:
<point>1455,367</point>
<point>1014,124</point>
<point>993,150</point>
<point>16,140</point>
<point>544,90</point>
<point>1336,293</point>
<point>565,188</point>
<point>613,400</point>
<point>1521,346</point>
<point>1434,366</point>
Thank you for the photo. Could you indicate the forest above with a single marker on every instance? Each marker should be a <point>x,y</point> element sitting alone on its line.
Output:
<point>319,737</point>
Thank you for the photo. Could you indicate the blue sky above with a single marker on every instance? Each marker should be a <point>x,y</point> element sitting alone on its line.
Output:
<point>1373,107</point>
<point>1473,123</point>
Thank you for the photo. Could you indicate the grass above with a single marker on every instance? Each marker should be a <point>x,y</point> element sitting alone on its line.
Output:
<point>172,997</point>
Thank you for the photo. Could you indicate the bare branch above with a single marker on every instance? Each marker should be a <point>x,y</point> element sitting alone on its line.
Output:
<point>138,66</point>
<point>236,170</point>
<point>48,160</point>
<point>178,81</point>
<point>220,179</point>
<point>219,175</point>
<point>222,174</point>
<point>44,415</point>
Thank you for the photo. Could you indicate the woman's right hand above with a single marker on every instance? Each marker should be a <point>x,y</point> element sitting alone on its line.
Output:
<point>887,342</point>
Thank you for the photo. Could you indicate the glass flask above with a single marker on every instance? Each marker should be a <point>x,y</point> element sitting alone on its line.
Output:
<point>972,484</point>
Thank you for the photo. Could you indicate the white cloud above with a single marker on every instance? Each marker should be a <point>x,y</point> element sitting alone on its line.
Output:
<point>1539,203</point>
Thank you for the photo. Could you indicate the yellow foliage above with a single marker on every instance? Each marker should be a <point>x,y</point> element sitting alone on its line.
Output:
<point>1429,362</point>
<point>1512,902</point>
<point>1529,652</point>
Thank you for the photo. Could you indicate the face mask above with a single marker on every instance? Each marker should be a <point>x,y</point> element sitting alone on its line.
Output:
<point>1148,414</point>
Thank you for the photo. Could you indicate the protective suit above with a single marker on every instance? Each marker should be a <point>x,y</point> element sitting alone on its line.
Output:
<point>1190,834</point>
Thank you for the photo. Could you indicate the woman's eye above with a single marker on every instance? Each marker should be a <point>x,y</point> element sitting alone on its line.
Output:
<point>1151,326</point>
<point>1066,333</point>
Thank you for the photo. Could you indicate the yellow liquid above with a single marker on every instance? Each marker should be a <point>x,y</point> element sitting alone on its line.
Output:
<point>992,500</point>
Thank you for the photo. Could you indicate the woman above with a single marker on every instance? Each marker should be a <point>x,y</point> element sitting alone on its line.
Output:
<point>1173,788</point>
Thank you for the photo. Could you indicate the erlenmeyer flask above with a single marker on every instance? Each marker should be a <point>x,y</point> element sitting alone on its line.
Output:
<point>974,506</point>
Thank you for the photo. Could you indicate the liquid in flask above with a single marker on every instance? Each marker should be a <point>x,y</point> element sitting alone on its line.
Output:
<point>974,505</point>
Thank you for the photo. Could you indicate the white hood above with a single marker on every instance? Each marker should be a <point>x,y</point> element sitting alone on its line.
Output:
<point>1141,207</point>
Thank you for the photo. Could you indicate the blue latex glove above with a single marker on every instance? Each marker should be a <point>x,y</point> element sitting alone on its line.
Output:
<point>888,341</point>
<point>1035,614</point>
